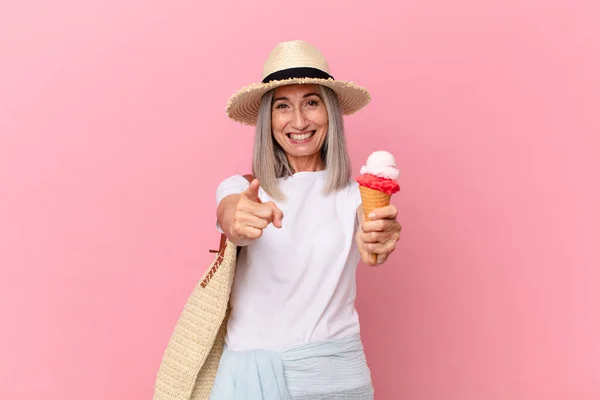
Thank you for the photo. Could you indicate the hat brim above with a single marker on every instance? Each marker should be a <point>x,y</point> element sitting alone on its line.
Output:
<point>243,105</point>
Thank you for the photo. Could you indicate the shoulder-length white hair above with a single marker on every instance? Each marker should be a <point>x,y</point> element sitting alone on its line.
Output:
<point>270,161</point>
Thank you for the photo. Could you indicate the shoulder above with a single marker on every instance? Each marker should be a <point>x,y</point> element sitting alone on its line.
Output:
<point>235,180</point>
<point>353,192</point>
<point>350,194</point>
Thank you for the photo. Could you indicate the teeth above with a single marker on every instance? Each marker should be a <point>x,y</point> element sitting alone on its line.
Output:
<point>304,136</point>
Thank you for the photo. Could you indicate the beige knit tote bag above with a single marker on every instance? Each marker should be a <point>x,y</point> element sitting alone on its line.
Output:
<point>189,364</point>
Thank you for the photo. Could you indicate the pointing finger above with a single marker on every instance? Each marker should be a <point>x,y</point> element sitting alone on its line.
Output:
<point>252,192</point>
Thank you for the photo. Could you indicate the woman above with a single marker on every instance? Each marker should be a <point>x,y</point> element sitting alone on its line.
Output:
<point>293,331</point>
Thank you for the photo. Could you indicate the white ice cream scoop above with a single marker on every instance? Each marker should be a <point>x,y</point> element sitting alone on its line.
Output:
<point>382,164</point>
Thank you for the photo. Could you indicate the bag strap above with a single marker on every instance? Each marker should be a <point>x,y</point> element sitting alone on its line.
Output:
<point>222,247</point>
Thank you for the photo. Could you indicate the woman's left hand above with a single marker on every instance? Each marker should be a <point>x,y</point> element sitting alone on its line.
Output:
<point>378,234</point>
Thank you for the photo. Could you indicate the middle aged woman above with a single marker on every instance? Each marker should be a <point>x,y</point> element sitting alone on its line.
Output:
<point>293,331</point>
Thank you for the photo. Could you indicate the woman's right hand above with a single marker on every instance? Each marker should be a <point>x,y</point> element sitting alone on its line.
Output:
<point>251,215</point>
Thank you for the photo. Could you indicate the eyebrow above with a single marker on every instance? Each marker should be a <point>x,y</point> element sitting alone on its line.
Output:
<point>305,96</point>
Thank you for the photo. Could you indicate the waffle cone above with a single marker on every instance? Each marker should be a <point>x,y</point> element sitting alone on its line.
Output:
<point>371,200</point>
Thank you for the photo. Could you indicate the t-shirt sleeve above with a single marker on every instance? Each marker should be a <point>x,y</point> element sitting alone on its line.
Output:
<point>233,185</point>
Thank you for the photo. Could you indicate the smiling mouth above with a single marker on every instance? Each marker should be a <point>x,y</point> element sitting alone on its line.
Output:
<point>299,137</point>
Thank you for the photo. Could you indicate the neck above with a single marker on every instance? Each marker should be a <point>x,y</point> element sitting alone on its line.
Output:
<point>306,164</point>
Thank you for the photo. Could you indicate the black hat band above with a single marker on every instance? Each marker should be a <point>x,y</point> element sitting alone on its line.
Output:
<point>297,73</point>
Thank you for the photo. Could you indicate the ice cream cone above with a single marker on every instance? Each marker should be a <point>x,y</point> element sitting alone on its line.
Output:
<point>377,183</point>
<point>371,200</point>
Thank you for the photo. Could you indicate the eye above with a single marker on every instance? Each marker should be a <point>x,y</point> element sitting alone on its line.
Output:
<point>281,106</point>
<point>313,103</point>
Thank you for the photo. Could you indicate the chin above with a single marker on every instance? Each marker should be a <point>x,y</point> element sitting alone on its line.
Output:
<point>304,153</point>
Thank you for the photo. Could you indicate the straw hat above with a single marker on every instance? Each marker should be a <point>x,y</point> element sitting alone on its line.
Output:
<point>294,62</point>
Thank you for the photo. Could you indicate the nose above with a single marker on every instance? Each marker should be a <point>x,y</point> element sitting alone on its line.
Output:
<point>300,122</point>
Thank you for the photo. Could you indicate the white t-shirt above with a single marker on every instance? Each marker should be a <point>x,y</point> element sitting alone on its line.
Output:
<point>297,284</point>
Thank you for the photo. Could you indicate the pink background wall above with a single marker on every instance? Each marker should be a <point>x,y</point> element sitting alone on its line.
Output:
<point>113,138</point>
